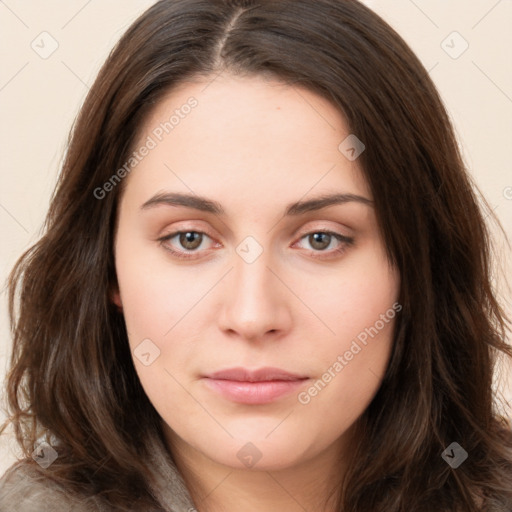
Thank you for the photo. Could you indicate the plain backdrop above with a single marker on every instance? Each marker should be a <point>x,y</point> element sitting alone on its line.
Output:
<point>52,50</point>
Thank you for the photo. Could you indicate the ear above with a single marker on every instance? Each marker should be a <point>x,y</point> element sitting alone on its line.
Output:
<point>115,296</point>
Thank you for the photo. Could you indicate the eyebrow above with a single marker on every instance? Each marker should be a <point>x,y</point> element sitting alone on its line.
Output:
<point>208,205</point>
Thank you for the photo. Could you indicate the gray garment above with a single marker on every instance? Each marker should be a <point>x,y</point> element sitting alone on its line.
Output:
<point>22,489</point>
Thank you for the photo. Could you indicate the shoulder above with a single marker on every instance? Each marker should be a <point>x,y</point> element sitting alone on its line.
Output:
<point>24,489</point>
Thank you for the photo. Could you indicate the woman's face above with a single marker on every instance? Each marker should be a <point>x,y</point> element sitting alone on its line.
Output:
<point>241,167</point>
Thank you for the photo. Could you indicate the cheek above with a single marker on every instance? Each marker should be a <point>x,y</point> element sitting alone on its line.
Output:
<point>350,369</point>
<point>366,288</point>
<point>156,300</point>
<point>155,294</point>
<point>353,357</point>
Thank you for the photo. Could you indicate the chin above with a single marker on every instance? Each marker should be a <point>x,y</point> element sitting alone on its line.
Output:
<point>260,453</point>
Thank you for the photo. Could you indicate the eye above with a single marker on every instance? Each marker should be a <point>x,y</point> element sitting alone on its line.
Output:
<point>321,240</point>
<point>188,241</point>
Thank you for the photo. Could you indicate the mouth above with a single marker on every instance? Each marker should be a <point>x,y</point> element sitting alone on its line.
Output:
<point>254,387</point>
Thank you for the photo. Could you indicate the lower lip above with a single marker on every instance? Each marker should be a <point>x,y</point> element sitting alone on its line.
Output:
<point>254,392</point>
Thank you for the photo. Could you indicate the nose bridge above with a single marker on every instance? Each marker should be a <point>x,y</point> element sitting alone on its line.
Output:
<point>254,304</point>
<point>253,279</point>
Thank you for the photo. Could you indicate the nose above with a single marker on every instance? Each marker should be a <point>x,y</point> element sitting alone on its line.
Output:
<point>255,303</point>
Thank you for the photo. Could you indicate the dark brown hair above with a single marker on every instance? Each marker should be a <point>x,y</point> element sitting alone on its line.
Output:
<point>71,370</point>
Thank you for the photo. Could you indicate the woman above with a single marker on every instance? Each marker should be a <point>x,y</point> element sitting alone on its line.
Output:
<point>264,282</point>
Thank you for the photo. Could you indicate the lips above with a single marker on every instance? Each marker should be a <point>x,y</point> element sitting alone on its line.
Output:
<point>260,375</point>
<point>254,387</point>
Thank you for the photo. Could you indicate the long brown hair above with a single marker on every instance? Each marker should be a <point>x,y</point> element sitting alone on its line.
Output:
<point>71,370</point>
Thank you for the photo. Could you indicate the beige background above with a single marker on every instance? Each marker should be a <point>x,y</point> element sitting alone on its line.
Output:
<point>39,98</point>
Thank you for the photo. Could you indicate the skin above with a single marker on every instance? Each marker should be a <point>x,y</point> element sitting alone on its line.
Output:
<point>254,145</point>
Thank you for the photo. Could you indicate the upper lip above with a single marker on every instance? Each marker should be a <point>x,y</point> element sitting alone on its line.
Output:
<point>259,375</point>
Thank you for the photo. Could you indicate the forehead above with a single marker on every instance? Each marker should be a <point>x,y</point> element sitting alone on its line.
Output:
<point>252,139</point>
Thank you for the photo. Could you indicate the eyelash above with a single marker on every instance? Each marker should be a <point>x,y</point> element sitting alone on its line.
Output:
<point>345,240</point>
